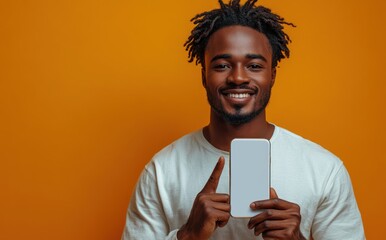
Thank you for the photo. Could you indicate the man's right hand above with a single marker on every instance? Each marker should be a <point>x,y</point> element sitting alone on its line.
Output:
<point>210,209</point>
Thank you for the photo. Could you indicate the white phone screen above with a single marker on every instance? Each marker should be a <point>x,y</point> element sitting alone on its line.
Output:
<point>250,161</point>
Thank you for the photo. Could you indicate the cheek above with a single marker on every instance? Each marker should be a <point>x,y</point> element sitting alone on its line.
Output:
<point>213,90</point>
<point>265,81</point>
<point>213,83</point>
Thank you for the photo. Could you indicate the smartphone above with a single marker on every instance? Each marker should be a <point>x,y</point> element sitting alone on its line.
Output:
<point>250,174</point>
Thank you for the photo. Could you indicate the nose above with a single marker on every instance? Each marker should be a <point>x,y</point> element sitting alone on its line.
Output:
<point>238,76</point>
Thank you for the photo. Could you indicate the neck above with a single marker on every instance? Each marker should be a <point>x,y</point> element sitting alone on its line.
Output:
<point>220,133</point>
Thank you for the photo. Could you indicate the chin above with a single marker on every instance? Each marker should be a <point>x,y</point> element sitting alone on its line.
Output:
<point>239,118</point>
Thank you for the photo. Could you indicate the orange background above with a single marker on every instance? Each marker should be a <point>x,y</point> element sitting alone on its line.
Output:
<point>90,90</point>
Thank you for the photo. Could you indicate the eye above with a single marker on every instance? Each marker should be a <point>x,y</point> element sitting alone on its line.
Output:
<point>255,66</point>
<point>221,66</point>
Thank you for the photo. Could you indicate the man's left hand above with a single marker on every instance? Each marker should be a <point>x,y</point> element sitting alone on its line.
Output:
<point>279,220</point>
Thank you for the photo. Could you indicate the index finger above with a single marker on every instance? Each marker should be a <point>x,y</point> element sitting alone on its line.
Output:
<point>212,183</point>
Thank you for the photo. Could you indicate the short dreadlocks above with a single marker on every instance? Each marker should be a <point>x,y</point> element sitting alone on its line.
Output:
<point>259,18</point>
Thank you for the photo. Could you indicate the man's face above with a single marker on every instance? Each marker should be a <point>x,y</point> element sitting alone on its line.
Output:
<point>238,74</point>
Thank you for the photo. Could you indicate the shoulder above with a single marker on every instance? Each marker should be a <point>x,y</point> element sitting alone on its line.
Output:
<point>288,141</point>
<point>294,154</point>
<point>185,143</point>
<point>176,152</point>
<point>315,171</point>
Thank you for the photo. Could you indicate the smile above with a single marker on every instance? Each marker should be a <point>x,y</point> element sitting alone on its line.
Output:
<point>238,95</point>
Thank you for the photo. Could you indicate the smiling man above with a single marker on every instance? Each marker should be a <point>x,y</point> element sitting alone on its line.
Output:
<point>183,192</point>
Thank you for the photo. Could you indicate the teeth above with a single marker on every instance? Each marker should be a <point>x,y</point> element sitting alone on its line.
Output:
<point>238,95</point>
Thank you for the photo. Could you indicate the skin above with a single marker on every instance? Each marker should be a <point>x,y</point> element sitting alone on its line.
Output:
<point>210,209</point>
<point>238,60</point>
<point>223,74</point>
<point>280,220</point>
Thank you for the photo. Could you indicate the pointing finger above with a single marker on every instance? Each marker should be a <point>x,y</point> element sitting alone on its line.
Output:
<point>212,183</point>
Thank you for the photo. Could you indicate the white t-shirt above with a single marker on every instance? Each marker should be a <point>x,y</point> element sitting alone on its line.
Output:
<point>302,172</point>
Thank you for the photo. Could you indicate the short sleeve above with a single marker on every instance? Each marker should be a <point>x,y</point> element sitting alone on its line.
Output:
<point>338,216</point>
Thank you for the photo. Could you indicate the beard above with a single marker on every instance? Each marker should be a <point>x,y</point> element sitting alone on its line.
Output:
<point>238,118</point>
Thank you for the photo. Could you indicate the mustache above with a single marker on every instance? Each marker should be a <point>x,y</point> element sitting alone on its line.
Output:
<point>242,86</point>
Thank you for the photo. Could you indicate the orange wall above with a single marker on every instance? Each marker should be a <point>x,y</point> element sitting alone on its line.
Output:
<point>90,90</point>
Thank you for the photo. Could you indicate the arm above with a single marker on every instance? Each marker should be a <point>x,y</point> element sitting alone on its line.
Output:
<point>210,209</point>
<point>338,216</point>
<point>145,217</point>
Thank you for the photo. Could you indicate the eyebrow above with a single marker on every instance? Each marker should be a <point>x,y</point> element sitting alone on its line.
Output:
<point>257,56</point>
<point>220,56</point>
<point>227,56</point>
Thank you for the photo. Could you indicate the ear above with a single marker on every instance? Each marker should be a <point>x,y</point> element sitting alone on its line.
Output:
<point>273,77</point>
<point>203,78</point>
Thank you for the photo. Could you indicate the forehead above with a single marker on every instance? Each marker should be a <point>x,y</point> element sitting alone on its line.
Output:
<point>238,40</point>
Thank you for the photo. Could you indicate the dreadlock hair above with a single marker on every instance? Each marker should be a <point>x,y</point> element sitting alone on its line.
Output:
<point>259,18</point>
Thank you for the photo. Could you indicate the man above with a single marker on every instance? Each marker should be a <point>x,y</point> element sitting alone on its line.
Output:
<point>182,192</point>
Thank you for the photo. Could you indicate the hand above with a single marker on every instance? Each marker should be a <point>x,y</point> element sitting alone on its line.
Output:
<point>279,220</point>
<point>210,209</point>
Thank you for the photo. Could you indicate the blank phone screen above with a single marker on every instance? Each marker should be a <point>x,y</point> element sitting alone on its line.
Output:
<point>249,174</point>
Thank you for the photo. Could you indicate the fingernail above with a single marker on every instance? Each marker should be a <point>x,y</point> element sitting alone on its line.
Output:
<point>253,205</point>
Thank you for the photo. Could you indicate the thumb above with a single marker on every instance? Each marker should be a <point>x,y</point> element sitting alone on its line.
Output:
<point>272,193</point>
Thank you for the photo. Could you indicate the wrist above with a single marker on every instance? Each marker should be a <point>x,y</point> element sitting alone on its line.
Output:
<point>184,234</point>
<point>301,237</point>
